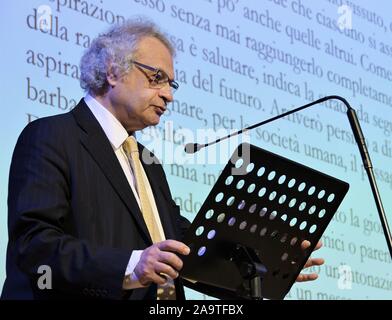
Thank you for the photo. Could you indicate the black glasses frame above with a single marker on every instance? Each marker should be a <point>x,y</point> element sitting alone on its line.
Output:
<point>157,73</point>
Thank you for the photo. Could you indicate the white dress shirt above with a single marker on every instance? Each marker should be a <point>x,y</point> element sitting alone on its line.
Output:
<point>117,134</point>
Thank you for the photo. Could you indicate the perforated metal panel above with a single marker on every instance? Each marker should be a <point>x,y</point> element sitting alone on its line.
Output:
<point>271,207</point>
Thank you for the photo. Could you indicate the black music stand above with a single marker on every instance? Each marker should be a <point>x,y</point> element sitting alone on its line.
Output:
<point>246,239</point>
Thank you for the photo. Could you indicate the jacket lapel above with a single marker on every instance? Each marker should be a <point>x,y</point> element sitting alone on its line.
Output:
<point>99,147</point>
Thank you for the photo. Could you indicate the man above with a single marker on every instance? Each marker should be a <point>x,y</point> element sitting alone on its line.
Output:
<point>84,200</point>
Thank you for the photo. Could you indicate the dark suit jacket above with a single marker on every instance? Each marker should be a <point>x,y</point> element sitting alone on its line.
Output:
<point>71,208</point>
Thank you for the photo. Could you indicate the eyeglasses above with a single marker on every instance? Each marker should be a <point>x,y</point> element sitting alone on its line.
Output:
<point>159,78</point>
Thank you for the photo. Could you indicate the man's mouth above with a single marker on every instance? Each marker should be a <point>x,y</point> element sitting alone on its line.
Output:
<point>159,110</point>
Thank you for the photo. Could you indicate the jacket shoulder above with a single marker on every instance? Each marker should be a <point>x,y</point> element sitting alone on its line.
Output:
<point>47,128</point>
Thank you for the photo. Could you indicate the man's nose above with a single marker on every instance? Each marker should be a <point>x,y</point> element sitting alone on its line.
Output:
<point>166,92</point>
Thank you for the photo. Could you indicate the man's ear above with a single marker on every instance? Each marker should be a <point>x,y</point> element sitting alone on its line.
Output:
<point>112,76</point>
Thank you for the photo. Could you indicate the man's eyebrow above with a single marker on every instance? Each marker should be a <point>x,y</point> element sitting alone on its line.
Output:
<point>161,70</point>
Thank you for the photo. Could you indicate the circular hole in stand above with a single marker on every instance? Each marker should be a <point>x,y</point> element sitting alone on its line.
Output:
<point>312,229</point>
<point>274,233</point>
<point>241,205</point>
<point>263,232</point>
<point>272,195</point>
<point>250,167</point>
<point>262,192</point>
<point>273,215</point>
<point>230,201</point>
<point>229,180</point>
<point>243,225</point>
<point>293,222</point>
<point>271,175</point>
<point>293,241</point>
<point>331,197</point>
<point>219,197</point>
<point>291,183</point>
<point>240,184</point>
<point>294,261</point>
<point>302,226</point>
<point>209,214</point>
<point>302,186</point>
<point>231,221</point>
<point>239,163</point>
<point>261,171</point>
<point>221,217</point>
<point>302,206</point>
<point>312,209</point>
<point>263,212</point>
<point>321,194</point>
<point>284,238</point>
<point>201,251</point>
<point>252,208</point>
<point>282,179</point>
<point>292,202</point>
<point>282,199</point>
<point>211,234</point>
<point>322,213</point>
<point>199,231</point>
<point>251,188</point>
<point>311,190</point>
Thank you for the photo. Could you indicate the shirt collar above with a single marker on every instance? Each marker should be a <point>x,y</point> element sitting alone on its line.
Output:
<point>113,129</point>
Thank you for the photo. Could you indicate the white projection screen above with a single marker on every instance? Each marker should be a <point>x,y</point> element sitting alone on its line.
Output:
<point>238,62</point>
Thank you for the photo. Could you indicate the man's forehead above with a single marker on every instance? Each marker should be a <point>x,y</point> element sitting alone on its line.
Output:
<point>152,51</point>
<point>153,47</point>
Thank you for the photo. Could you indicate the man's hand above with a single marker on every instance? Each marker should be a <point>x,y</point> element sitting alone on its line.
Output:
<point>311,262</point>
<point>160,258</point>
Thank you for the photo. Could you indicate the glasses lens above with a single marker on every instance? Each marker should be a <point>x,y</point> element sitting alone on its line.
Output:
<point>159,79</point>
<point>174,85</point>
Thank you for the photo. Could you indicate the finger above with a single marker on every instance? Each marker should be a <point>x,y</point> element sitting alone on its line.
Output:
<point>146,277</point>
<point>171,259</point>
<point>158,279</point>
<point>318,261</point>
<point>306,244</point>
<point>165,270</point>
<point>307,277</point>
<point>313,262</point>
<point>174,246</point>
<point>318,246</point>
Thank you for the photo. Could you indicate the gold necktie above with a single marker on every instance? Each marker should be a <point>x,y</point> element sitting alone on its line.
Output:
<point>130,148</point>
<point>166,292</point>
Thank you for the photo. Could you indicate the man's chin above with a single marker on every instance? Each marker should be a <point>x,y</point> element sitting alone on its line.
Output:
<point>152,121</point>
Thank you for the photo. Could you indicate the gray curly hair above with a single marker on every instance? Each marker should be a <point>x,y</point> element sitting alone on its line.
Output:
<point>113,49</point>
